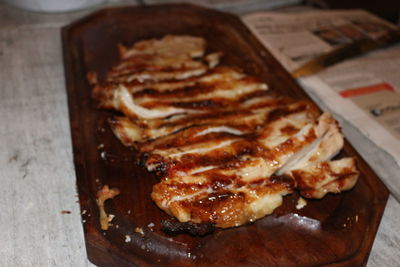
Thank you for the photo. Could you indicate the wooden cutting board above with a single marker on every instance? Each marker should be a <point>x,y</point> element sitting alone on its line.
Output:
<point>337,230</point>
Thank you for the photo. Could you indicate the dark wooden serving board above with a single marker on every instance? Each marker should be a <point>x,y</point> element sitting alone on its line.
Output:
<point>337,230</point>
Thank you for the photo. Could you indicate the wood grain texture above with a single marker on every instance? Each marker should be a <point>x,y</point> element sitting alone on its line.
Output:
<point>338,230</point>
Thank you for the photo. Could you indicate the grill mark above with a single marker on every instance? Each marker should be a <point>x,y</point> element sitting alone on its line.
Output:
<point>220,158</point>
<point>213,102</point>
<point>155,70</point>
<point>157,76</point>
<point>285,180</point>
<point>289,130</point>
<point>186,188</point>
<point>220,117</point>
<point>145,92</point>
<point>267,101</point>
<point>254,94</point>
<point>186,91</point>
<point>149,83</point>
<point>208,203</point>
<point>281,112</point>
<point>134,64</point>
<point>134,67</point>
<point>290,146</point>
<point>198,87</point>
<point>225,114</point>
<point>307,186</point>
<point>207,103</point>
<point>135,86</point>
<point>205,118</point>
<point>341,178</point>
<point>182,141</point>
<point>175,133</point>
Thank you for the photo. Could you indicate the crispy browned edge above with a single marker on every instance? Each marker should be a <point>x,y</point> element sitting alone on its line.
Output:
<point>103,253</point>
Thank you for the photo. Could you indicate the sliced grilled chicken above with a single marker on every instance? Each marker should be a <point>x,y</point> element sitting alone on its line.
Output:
<point>226,150</point>
<point>248,177</point>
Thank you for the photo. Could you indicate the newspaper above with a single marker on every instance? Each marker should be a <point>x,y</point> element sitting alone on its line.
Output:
<point>298,38</point>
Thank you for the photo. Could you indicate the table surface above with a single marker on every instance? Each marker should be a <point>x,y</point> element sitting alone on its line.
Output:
<point>37,172</point>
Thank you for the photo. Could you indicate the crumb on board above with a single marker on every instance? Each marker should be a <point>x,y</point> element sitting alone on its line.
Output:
<point>139,230</point>
<point>301,203</point>
<point>83,212</point>
<point>127,239</point>
<point>150,225</point>
<point>110,217</point>
<point>65,212</point>
<point>104,194</point>
<point>91,77</point>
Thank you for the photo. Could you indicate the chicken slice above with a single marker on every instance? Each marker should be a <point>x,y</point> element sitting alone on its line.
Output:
<point>315,181</point>
<point>131,132</point>
<point>157,75</point>
<point>161,59</point>
<point>245,120</point>
<point>224,201</point>
<point>123,101</point>
<point>325,148</point>
<point>169,46</point>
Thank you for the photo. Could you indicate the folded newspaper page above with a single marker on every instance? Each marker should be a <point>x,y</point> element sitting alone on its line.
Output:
<point>366,93</point>
<point>307,42</point>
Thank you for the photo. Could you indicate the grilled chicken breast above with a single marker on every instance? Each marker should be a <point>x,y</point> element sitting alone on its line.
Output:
<point>226,150</point>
